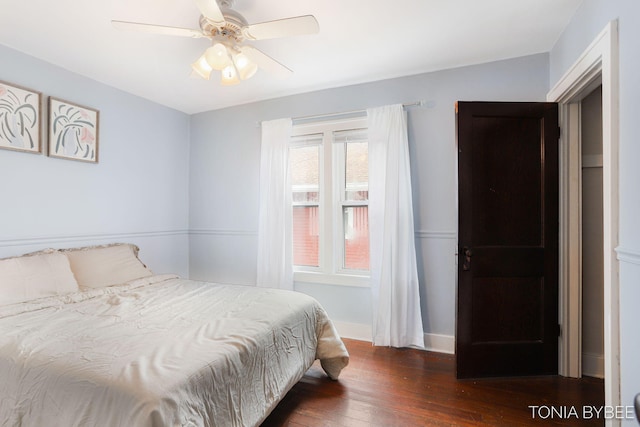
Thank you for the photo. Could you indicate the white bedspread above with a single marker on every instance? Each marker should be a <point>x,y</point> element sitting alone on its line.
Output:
<point>159,351</point>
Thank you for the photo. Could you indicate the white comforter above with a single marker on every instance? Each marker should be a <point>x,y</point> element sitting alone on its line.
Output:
<point>160,351</point>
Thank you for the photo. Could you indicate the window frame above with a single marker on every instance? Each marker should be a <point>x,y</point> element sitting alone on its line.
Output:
<point>331,224</point>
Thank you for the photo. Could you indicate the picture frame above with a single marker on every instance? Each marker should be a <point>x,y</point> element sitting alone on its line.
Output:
<point>20,118</point>
<point>73,131</point>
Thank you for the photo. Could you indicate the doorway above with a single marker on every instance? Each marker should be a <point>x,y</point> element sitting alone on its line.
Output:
<point>598,65</point>
<point>592,260</point>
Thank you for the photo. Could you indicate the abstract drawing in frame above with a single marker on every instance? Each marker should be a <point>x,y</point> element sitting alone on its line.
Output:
<point>20,118</point>
<point>73,131</point>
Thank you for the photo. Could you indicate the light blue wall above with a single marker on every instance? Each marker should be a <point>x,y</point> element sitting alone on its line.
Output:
<point>587,23</point>
<point>224,176</point>
<point>138,192</point>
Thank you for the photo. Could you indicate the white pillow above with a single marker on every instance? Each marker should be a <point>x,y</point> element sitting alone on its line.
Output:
<point>35,276</point>
<point>100,266</point>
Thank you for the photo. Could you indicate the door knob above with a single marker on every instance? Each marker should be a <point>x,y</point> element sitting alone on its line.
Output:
<point>466,263</point>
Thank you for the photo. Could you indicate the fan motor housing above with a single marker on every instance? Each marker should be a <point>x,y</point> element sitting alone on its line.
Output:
<point>232,28</point>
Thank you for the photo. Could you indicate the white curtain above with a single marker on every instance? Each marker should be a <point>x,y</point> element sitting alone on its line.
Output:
<point>275,268</point>
<point>397,320</point>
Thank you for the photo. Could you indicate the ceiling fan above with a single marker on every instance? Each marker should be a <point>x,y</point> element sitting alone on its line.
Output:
<point>228,30</point>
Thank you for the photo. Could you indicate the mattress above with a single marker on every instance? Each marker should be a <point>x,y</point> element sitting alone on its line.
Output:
<point>159,351</point>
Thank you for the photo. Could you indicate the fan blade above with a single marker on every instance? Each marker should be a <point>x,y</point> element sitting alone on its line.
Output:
<point>158,29</point>
<point>211,11</point>
<point>266,62</point>
<point>299,25</point>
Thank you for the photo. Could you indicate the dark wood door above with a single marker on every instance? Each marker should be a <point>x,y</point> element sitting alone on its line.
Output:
<point>507,305</point>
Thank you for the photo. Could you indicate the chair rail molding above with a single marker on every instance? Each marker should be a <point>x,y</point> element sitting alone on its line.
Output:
<point>46,240</point>
<point>433,234</point>
<point>221,232</point>
<point>630,256</point>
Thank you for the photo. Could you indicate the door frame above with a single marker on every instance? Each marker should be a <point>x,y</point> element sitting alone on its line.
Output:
<point>597,65</point>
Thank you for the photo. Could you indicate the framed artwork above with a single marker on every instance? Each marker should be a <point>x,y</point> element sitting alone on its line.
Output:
<point>20,127</point>
<point>73,131</point>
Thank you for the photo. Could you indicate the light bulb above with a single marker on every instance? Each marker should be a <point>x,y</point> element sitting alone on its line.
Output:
<point>217,56</point>
<point>229,76</point>
<point>202,67</point>
<point>245,67</point>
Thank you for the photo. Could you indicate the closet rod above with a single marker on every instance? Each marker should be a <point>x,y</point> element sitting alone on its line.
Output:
<point>348,113</point>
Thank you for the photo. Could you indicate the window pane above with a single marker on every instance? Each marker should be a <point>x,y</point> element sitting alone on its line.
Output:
<point>305,173</point>
<point>305,236</point>
<point>357,171</point>
<point>305,179</point>
<point>356,237</point>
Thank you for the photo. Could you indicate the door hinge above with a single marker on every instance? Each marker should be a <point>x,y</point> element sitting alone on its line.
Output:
<point>559,132</point>
<point>559,330</point>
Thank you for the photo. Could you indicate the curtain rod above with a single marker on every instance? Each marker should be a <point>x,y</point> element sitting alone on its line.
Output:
<point>353,112</point>
<point>421,103</point>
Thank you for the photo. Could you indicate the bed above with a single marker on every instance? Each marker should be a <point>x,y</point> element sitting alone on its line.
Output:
<point>85,343</point>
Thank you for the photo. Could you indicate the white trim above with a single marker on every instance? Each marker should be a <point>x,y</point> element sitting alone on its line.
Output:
<point>355,331</point>
<point>593,365</point>
<point>46,240</point>
<point>332,279</point>
<point>628,255</point>
<point>432,342</point>
<point>570,242</point>
<point>335,125</point>
<point>598,64</point>
<point>440,343</point>
<point>427,234</point>
<point>586,69</point>
<point>221,232</point>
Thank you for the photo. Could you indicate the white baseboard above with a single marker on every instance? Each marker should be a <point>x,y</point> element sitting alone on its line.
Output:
<point>354,331</point>
<point>440,343</point>
<point>593,365</point>
<point>359,331</point>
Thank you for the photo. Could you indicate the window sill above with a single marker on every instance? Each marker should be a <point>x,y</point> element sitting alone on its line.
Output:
<point>332,279</point>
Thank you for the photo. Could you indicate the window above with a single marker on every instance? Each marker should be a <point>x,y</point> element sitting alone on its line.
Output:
<point>329,168</point>
<point>304,158</point>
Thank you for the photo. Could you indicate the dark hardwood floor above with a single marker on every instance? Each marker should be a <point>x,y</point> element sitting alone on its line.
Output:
<point>405,387</point>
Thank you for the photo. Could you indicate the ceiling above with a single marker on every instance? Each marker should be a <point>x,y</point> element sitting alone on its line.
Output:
<point>359,41</point>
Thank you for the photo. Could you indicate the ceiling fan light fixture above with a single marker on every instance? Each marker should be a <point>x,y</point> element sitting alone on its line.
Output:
<point>228,29</point>
<point>229,76</point>
<point>202,67</point>
<point>246,68</point>
<point>217,56</point>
